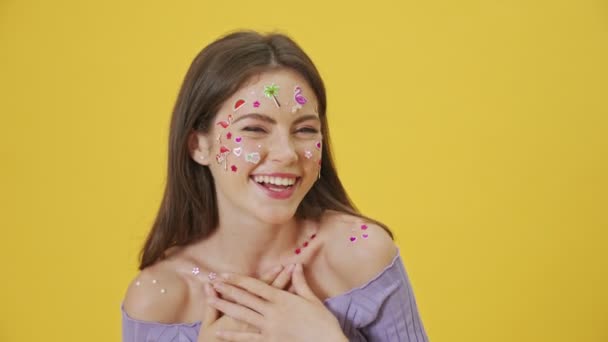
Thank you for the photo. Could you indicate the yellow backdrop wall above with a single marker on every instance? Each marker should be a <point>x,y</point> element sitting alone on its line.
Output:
<point>476,130</point>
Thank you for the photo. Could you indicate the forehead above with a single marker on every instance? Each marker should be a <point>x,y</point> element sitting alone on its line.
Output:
<point>286,81</point>
<point>282,77</point>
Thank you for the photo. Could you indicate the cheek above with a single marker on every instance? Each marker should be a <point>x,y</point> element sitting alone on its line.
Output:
<point>244,153</point>
<point>310,152</point>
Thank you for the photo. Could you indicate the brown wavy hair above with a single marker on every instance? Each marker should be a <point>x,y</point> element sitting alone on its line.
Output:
<point>188,211</point>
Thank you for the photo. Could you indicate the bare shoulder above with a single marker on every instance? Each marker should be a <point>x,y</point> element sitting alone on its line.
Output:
<point>157,294</point>
<point>356,250</point>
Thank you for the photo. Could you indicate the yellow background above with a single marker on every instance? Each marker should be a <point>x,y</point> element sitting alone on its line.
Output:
<point>477,130</point>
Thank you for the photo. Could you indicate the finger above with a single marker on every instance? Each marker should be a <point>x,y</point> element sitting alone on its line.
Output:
<point>271,275</point>
<point>237,312</point>
<point>240,296</point>
<point>237,336</point>
<point>252,285</point>
<point>300,285</point>
<point>211,314</point>
<point>283,278</point>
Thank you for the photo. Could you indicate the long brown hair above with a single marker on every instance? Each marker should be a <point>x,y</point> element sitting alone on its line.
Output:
<point>188,211</point>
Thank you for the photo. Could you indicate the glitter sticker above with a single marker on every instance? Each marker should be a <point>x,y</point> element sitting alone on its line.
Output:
<point>239,103</point>
<point>238,139</point>
<point>237,151</point>
<point>256,104</point>
<point>307,154</point>
<point>271,92</point>
<point>253,157</point>
<point>233,168</point>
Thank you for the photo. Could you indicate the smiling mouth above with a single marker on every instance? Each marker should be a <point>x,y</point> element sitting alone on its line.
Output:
<point>277,184</point>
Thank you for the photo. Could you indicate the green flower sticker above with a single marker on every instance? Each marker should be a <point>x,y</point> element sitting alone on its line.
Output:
<point>271,92</point>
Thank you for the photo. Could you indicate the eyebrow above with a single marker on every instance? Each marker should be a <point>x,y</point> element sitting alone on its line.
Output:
<point>268,119</point>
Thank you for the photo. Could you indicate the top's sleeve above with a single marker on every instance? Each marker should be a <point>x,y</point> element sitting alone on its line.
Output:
<point>383,310</point>
<point>134,330</point>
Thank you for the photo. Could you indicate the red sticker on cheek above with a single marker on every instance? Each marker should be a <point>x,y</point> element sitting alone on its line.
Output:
<point>233,168</point>
<point>228,135</point>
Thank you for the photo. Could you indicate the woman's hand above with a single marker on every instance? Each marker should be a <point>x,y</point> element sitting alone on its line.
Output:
<point>212,322</point>
<point>278,315</point>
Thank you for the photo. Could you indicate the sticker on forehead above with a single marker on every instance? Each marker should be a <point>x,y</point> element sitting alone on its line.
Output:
<point>238,104</point>
<point>256,104</point>
<point>253,157</point>
<point>299,98</point>
<point>271,92</point>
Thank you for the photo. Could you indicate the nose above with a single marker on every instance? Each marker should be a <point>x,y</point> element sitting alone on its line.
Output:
<point>282,150</point>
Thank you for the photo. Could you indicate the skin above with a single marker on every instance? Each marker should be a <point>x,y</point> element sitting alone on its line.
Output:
<point>257,233</point>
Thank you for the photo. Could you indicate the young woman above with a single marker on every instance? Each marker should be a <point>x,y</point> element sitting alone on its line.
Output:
<point>256,238</point>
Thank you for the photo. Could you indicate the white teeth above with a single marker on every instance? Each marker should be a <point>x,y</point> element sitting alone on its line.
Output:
<point>275,180</point>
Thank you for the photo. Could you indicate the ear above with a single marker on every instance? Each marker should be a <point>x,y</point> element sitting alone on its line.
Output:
<point>199,148</point>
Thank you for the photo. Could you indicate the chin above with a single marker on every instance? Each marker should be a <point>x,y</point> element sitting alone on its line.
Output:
<point>276,216</point>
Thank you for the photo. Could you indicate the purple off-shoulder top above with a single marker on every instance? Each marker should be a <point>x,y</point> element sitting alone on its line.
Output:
<point>384,309</point>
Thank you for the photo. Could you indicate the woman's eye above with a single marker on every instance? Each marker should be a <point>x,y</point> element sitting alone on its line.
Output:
<point>308,130</point>
<point>253,129</point>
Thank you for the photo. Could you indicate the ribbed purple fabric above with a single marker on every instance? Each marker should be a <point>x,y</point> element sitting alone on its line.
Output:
<point>384,309</point>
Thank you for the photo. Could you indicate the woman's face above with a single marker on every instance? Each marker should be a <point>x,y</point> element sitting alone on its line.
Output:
<point>264,150</point>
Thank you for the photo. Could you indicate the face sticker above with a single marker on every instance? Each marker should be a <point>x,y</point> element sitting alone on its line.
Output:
<point>237,151</point>
<point>318,145</point>
<point>226,123</point>
<point>297,95</point>
<point>233,168</point>
<point>228,135</point>
<point>299,98</point>
<point>307,154</point>
<point>238,139</point>
<point>196,270</point>
<point>256,104</point>
<point>238,104</point>
<point>353,238</point>
<point>363,227</point>
<point>271,92</point>
<point>224,152</point>
<point>253,157</point>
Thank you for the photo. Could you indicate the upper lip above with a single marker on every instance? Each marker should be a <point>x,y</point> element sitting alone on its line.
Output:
<point>276,174</point>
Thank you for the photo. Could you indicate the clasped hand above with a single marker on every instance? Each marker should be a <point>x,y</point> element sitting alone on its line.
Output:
<point>275,314</point>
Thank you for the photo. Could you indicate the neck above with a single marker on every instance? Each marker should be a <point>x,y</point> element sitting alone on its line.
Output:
<point>245,245</point>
